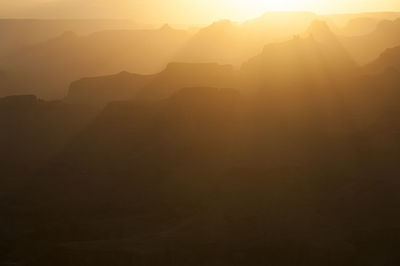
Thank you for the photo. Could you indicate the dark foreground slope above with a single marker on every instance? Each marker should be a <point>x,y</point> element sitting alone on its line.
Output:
<point>210,176</point>
<point>298,165</point>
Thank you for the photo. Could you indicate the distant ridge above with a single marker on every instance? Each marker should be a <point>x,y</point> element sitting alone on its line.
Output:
<point>127,86</point>
<point>389,59</point>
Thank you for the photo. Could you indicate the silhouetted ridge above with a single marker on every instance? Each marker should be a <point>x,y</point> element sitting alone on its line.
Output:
<point>360,26</point>
<point>366,48</point>
<point>125,86</point>
<point>218,27</point>
<point>100,90</point>
<point>182,68</point>
<point>389,59</point>
<point>20,100</point>
<point>187,130</point>
<point>38,67</point>
<point>292,159</point>
<point>166,27</point>
<point>388,26</point>
<point>33,31</point>
<point>300,60</point>
<point>320,31</point>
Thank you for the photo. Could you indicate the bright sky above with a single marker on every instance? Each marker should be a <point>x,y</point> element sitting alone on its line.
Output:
<point>182,11</point>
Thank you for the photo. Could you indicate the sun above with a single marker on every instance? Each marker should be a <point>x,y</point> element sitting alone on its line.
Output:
<point>281,5</point>
<point>255,7</point>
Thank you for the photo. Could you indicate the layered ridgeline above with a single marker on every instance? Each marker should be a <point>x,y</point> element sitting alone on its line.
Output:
<point>47,68</point>
<point>315,59</point>
<point>367,48</point>
<point>387,60</point>
<point>291,159</point>
<point>316,54</point>
<point>17,34</point>
<point>312,60</point>
<point>217,171</point>
<point>293,156</point>
<point>359,26</point>
<point>226,42</point>
<point>127,86</point>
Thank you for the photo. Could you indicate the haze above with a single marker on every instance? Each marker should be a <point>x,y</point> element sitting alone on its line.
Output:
<point>199,133</point>
<point>182,11</point>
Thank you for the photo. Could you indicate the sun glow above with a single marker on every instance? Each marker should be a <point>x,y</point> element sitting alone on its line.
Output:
<point>268,5</point>
<point>252,8</point>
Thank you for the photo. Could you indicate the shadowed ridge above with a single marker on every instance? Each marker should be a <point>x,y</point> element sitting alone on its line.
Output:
<point>65,38</point>
<point>360,26</point>
<point>388,26</point>
<point>186,131</point>
<point>218,27</point>
<point>320,31</point>
<point>104,89</point>
<point>38,68</point>
<point>20,33</point>
<point>220,42</point>
<point>19,100</point>
<point>166,27</point>
<point>300,59</point>
<point>389,59</point>
<point>178,67</point>
<point>366,48</point>
<point>182,75</point>
<point>127,86</point>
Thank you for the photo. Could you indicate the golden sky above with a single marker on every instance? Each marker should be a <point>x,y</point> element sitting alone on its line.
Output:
<point>182,11</point>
